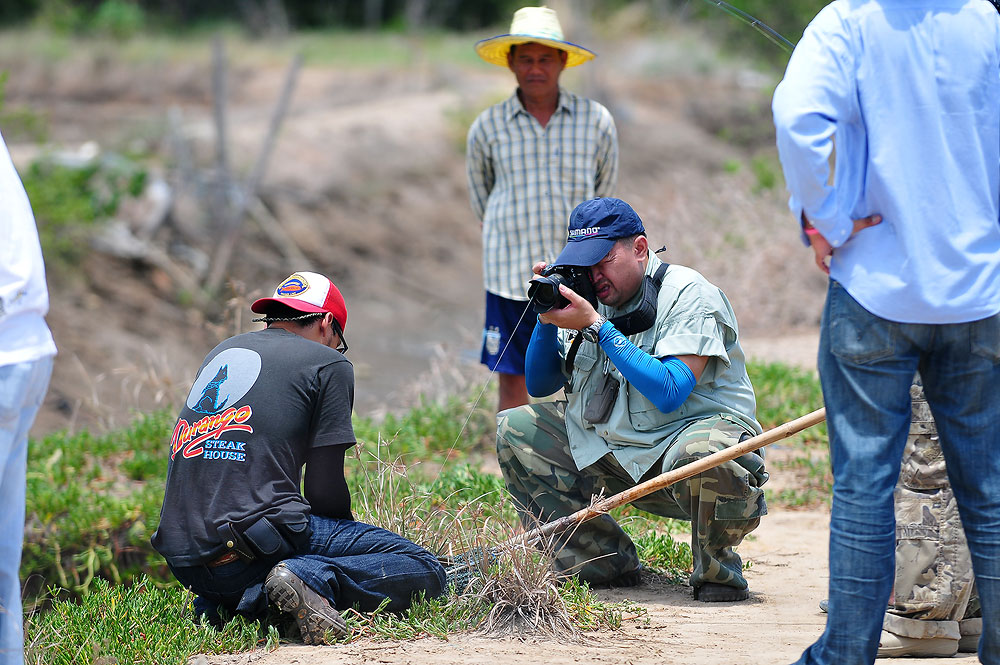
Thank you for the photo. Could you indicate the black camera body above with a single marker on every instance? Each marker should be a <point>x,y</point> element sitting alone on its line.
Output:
<point>544,291</point>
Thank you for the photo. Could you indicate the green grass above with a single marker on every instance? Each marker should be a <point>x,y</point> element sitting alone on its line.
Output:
<point>785,393</point>
<point>431,432</point>
<point>136,623</point>
<point>663,554</point>
<point>93,502</point>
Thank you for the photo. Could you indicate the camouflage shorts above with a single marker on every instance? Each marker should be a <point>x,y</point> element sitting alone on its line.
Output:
<point>723,504</point>
<point>934,587</point>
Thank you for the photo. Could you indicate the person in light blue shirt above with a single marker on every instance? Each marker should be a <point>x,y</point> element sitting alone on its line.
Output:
<point>909,232</point>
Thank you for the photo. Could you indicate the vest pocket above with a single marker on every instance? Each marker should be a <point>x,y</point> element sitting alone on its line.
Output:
<point>582,366</point>
<point>644,415</point>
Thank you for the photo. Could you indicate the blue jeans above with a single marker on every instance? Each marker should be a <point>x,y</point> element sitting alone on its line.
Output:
<point>866,366</point>
<point>352,564</point>
<point>22,388</point>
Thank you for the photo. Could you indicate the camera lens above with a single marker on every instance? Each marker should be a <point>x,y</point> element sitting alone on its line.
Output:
<point>544,293</point>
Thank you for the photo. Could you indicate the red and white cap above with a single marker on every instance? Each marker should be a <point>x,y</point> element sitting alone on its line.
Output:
<point>307,292</point>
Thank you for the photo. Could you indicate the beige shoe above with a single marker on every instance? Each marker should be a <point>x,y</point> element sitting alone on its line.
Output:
<point>891,645</point>
<point>969,643</point>
<point>972,630</point>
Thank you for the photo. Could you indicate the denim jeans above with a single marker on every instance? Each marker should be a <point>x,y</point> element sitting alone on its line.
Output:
<point>22,388</point>
<point>866,366</point>
<point>352,564</point>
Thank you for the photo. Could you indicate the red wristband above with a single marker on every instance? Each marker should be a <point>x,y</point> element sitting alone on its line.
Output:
<point>811,231</point>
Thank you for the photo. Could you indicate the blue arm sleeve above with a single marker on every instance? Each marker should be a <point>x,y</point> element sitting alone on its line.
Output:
<point>665,383</point>
<point>542,364</point>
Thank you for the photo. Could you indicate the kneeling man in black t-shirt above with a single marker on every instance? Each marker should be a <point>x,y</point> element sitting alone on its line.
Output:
<point>234,526</point>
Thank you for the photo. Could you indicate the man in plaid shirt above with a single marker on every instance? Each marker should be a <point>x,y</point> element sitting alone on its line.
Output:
<point>530,160</point>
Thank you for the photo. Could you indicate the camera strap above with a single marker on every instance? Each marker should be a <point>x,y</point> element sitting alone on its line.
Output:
<point>571,354</point>
<point>643,317</point>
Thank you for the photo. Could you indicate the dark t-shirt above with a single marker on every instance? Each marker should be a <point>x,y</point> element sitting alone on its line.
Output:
<point>260,402</point>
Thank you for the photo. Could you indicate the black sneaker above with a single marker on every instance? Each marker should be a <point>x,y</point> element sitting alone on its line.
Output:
<point>711,592</point>
<point>313,613</point>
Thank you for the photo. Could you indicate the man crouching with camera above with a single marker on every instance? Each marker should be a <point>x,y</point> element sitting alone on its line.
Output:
<point>654,377</point>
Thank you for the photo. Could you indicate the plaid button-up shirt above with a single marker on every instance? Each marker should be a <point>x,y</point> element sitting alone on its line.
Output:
<point>525,180</point>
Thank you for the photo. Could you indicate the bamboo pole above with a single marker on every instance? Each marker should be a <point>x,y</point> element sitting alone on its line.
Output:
<point>602,506</point>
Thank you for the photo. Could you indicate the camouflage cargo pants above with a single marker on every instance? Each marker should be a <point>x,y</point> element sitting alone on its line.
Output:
<point>723,504</point>
<point>934,592</point>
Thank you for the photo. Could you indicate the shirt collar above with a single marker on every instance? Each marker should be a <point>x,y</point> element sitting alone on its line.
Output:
<point>514,105</point>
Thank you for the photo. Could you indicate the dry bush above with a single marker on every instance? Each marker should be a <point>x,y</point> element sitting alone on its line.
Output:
<point>523,592</point>
<point>502,586</point>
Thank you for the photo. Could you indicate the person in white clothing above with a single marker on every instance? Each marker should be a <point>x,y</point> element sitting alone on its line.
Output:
<point>26,352</point>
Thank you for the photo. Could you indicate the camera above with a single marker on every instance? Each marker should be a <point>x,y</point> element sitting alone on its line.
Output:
<point>544,291</point>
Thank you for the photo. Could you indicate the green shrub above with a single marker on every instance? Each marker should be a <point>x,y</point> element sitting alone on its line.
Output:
<point>70,201</point>
<point>119,19</point>
<point>20,123</point>
<point>766,171</point>
<point>62,17</point>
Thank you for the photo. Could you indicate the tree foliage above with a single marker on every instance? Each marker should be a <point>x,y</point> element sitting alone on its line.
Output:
<point>452,14</point>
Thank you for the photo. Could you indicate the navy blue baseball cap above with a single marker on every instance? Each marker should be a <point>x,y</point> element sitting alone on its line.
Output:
<point>594,226</point>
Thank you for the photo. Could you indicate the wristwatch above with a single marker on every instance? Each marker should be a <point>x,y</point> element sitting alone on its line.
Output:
<point>591,332</point>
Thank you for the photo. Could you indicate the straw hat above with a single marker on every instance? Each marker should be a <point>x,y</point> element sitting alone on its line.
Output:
<point>532,24</point>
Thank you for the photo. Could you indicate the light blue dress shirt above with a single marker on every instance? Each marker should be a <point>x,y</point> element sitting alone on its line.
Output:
<point>911,89</point>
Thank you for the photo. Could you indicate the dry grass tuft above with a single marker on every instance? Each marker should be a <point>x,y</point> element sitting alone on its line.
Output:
<point>392,501</point>
<point>524,597</point>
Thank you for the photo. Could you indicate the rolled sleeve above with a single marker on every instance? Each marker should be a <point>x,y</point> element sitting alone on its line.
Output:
<point>696,336</point>
<point>817,94</point>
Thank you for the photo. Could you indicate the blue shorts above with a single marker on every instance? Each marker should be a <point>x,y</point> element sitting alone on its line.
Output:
<point>505,340</point>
